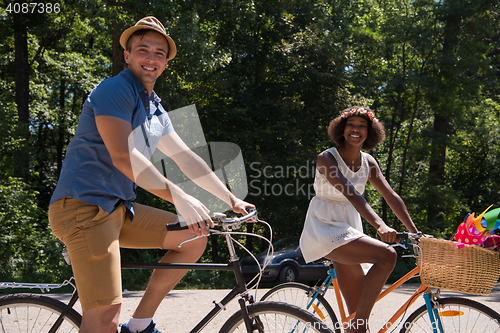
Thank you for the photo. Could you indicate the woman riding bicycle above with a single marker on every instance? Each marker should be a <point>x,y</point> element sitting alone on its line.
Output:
<point>333,227</point>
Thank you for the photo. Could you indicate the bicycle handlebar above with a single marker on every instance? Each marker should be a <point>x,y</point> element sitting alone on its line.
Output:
<point>220,219</point>
<point>404,237</point>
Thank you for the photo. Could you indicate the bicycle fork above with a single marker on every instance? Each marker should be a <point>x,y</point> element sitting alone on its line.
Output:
<point>321,290</point>
<point>433,314</point>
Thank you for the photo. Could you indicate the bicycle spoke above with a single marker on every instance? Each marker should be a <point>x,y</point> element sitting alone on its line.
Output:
<point>301,296</point>
<point>25,313</point>
<point>275,317</point>
<point>457,315</point>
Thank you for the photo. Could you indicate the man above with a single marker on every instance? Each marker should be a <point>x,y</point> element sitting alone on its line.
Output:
<point>91,210</point>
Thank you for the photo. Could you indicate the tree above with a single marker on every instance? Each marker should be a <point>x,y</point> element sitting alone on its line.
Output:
<point>22,92</point>
<point>269,76</point>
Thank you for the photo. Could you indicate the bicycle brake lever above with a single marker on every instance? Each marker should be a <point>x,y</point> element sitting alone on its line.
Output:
<point>396,245</point>
<point>211,231</point>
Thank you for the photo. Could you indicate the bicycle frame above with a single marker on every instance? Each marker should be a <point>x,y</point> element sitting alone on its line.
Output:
<point>331,279</point>
<point>233,266</point>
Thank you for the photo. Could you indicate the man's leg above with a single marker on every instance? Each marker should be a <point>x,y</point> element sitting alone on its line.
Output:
<point>91,237</point>
<point>148,230</point>
<point>164,280</point>
<point>101,319</point>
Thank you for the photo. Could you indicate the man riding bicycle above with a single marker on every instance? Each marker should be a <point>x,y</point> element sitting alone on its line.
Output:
<point>92,209</point>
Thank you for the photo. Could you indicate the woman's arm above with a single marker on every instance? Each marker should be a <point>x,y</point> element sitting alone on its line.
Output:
<point>394,201</point>
<point>327,165</point>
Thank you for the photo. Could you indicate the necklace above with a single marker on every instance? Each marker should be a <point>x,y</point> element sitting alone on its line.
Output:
<point>352,164</point>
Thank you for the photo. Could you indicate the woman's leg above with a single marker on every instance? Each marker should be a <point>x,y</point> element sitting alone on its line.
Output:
<point>363,250</point>
<point>350,279</point>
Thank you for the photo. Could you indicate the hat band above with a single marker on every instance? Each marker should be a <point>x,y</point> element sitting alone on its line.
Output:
<point>152,26</point>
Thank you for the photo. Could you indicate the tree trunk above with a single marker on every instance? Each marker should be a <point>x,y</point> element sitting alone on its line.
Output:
<point>215,248</point>
<point>21,168</point>
<point>62,126</point>
<point>437,168</point>
<point>447,90</point>
<point>118,63</point>
<point>407,143</point>
<point>393,133</point>
<point>249,239</point>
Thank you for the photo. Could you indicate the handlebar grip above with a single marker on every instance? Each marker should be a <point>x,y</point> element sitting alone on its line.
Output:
<point>177,226</point>
<point>401,234</point>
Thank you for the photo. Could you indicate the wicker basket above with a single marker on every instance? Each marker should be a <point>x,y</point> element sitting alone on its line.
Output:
<point>470,270</point>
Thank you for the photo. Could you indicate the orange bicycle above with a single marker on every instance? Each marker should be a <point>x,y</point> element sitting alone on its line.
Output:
<point>437,315</point>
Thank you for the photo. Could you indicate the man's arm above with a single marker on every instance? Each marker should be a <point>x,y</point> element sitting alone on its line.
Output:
<point>116,134</point>
<point>197,170</point>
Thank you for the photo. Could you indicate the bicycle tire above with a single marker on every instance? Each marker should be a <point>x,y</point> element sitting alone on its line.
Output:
<point>21,313</point>
<point>458,315</point>
<point>300,295</point>
<point>273,317</point>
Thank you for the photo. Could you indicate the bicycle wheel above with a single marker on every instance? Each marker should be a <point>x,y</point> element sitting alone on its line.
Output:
<point>273,317</point>
<point>458,315</point>
<point>21,313</point>
<point>300,295</point>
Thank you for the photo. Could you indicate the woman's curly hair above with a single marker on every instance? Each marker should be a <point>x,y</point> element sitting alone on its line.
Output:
<point>376,132</point>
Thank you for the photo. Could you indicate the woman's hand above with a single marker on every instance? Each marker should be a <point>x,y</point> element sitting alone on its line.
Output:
<point>387,234</point>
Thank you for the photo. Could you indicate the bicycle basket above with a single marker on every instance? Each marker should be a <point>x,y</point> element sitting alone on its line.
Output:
<point>470,270</point>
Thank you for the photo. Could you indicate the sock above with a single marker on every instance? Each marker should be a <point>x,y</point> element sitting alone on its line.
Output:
<point>138,324</point>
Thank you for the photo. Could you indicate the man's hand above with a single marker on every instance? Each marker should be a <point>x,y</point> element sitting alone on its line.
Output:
<point>193,212</point>
<point>242,207</point>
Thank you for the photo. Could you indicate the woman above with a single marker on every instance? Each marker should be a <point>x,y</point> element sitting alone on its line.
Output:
<point>333,226</point>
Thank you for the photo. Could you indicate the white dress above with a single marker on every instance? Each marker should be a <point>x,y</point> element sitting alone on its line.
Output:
<point>331,220</point>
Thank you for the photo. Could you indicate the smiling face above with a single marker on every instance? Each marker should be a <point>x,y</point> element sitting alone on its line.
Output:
<point>147,57</point>
<point>356,131</point>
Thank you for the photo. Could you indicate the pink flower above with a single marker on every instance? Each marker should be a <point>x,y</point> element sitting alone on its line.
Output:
<point>355,111</point>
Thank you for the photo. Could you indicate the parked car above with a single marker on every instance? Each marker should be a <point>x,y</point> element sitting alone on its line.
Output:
<point>286,265</point>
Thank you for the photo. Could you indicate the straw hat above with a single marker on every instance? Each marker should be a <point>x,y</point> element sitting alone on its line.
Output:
<point>151,23</point>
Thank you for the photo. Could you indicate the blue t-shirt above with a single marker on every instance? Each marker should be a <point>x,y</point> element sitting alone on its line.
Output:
<point>88,174</point>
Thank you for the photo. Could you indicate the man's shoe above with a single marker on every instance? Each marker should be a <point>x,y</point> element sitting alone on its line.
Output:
<point>150,329</point>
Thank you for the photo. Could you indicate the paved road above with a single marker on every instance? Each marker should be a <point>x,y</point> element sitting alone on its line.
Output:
<point>181,310</point>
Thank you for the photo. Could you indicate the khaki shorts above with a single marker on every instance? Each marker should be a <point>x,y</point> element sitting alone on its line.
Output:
<point>94,237</point>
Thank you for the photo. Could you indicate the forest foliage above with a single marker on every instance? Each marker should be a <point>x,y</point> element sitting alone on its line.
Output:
<point>267,76</point>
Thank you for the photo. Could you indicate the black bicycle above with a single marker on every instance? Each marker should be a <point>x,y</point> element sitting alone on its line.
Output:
<point>37,313</point>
